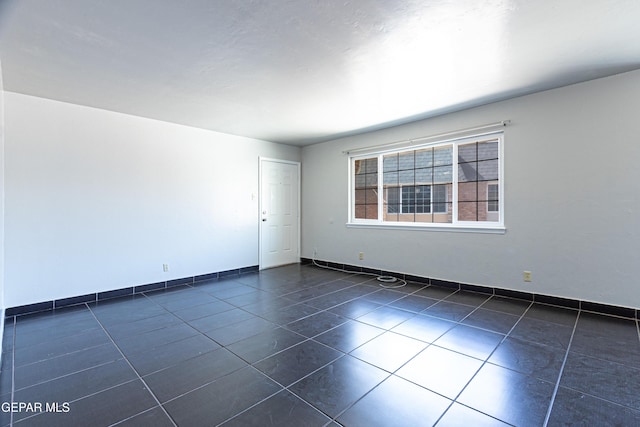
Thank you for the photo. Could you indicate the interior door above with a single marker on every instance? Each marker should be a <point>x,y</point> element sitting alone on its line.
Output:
<point>279,212</point>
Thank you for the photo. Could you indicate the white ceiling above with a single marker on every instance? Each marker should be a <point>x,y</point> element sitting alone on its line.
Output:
<point>303,71</point>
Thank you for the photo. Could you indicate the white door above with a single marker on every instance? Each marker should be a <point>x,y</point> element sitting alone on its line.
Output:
<point>279,212</point>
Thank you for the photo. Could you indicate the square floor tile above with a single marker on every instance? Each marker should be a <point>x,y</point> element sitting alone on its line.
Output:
<point>473,299</point>
<point>573,408</point>
<point>506,305</point>
<point>389,351</point>
<point>386,317</point>
<point>558,315</point>
<point>601,378</point>
<point>337,386</point>
<point>459,415</point>
<point>542,332</point>
<point>49,369</point>
<point>141,326</point>
<point>77,385</point>
<point>449,311</point>
<point>508,396</point>
<point>154,417</point>
<point>493,321</point>
<point>316,324</point>
<point>355,308</point>
<point>349,335</point>
<point>610,338</point>
<point>144,342</point>
<point>265,344</point>
<point>395,403</point>
<point>170,354</point>
<point>219,320</point>
<point>102,409</point>
<point>204,310</point>
<point>193,373</point>
<point>440,370</point>
<point>61,346</point>
<point>424,328</point>
<point>290,314</point>
<point>413,303</point>
<point>221,399</point>
<point>296,362</point>
<point>240,330</point>
<point>282,409</point>
<point>471,341</point>
<point>530,358</point>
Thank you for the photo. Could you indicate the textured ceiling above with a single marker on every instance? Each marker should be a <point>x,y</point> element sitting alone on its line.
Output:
<point>303,71</point>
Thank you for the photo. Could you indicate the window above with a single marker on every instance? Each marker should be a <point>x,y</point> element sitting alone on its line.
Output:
<point>448,184</point>
<point>492,198</point>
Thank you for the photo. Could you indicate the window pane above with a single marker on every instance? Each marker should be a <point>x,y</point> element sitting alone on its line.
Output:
<point>423,199</point>
<point>467,172</point>
<point>390,178</point>
<point>488,170</point>
<point>372,165</point>
<point>467,153</point>
<point>390,163</point>
<point>372,211</point>
<point>406,177</point>
<point>439,198</point>
<point>467,191</point>
<point>365,203</point>
<point>392,203</point>
<point>467,211</point>
<point>443,155</point>
<point>443,174</point>
<point>424,176</point>
<point>424,158</point>
<point>406,160</point>
<point>488,150</point>
<point>493,198</point>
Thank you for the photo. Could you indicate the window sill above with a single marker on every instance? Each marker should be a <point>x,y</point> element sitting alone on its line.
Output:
<point>431,227</point>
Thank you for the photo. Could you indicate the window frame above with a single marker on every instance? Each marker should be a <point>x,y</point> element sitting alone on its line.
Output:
<point>455,224</point>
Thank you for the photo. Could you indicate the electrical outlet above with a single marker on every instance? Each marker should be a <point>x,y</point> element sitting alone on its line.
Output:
<point>165,267</point>
<point>361,256</point>
<point>526,276</point>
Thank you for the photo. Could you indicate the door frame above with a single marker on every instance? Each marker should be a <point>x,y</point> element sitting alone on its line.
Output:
<point>260,196</point>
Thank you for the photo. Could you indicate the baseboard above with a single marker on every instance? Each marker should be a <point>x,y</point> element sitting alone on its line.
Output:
<point>593,307</point>
<point>123,292</point>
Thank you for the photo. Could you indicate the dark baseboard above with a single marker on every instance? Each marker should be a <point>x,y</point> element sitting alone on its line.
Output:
<point>123,292</point>
<point>589,306</point>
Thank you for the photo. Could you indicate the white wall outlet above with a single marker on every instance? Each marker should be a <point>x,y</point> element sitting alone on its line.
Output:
<point>526,276</point>
<point>165,267</point>
<point>361,256</point>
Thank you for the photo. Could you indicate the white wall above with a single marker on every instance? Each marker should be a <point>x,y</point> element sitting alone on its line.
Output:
<point>572,199</point>
<point>97,200</point>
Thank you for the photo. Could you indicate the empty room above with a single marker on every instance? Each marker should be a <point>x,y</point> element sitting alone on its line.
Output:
<point>319,213</point>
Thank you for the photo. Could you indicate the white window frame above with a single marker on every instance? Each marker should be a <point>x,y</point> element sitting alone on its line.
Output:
<point>455,225</point>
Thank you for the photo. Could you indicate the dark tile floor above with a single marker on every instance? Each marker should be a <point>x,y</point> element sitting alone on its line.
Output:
<point>301,346</point>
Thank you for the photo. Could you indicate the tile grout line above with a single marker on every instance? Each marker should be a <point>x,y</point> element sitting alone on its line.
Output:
<point>132,367</point>
<point>13,368</point>
<point>564,362</point>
